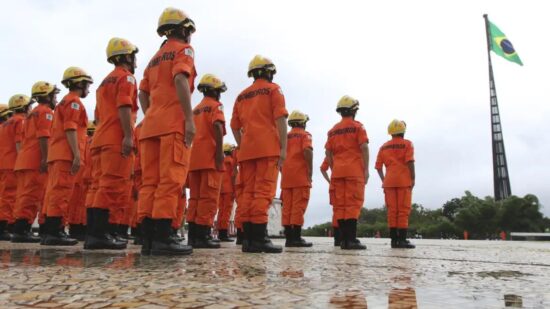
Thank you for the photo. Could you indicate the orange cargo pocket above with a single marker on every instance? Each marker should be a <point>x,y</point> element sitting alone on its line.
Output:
<point>271,171</point>
<point>214,180</point>
<point>358,191</point>
<point>180,150</point>
<point>305,194</point>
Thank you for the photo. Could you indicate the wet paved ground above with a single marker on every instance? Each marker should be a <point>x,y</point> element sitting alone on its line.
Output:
<point>438,274</point>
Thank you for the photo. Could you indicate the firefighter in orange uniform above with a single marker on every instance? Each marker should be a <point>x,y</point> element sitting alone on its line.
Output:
<point>4,115</point>
<point>77,203</point>
<point>348,156</point>
<point>227,194</point>
<point>11,137</point>
<point>238,199</point>
<point>112,148</point>
<point>296,179</point>
<point>31,166</point>
<point>167,133</point>
<point>205,172</point>
<point>259,126</point>
<point>136,226</point>
<point>397,155</point>
<point>335,229</point>
<point>65,155</point>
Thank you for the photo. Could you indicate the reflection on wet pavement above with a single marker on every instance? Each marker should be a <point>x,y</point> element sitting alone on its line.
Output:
<point>449,274</point>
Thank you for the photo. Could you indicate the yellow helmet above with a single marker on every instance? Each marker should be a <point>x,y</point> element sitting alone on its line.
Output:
<point>42,89</point>
<point>397,127</point>
<point>18,101</point>
<point>211,81</point>
<point>91,126</point>
<point>297,117</point>
<point>118,47</point>
<point>261,62</point>
<point>74,75</point>
<point>4,110</point>
<point>172,17</point>
<point>347,102</point>
<point>228,147</point>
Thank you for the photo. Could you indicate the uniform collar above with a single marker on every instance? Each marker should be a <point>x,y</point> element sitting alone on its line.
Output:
<point>298,130</point>
<point>121,68</point>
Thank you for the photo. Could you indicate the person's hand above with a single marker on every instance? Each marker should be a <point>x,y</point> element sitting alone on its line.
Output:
<point>366,176</point>
<point>43,166</point>
<point>189,133</point>
<point>76,165</point>
<point>127,146</point>
<point>282,159</point>
<point>219,162</point>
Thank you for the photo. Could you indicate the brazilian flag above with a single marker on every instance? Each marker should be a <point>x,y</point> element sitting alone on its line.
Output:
<point>502,46</point>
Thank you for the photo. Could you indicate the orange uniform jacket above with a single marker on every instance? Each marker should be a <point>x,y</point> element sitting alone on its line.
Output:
<point>395,154</point>
<point>11,133</point>
<point>255,112</point>
<point>165,114</point>
<point>295,172</point>
<point>69,114</point>
<point>38,124</point>
<point>203,152</point>
<point>344,141</point>
<point>117,90</point>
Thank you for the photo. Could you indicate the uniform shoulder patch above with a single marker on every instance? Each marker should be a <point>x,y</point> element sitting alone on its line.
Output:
<point>189,52</point>
<point>49,117</point>
<point>220,107</point>
<point>280,91</point>
<point>75,106</point>
<point>131,79</point>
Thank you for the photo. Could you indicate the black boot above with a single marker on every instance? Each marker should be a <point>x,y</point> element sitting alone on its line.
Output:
<point>297,240</point>
<point>76,231</point>
<point>98,234</point>
<point>147,234</point>
<point>239,237</point>
<point>202,240</point>
<point>136,231</point>
<point>402,242</point>
<point>247,236</point>
<point>393,237</point>
<point>224,236</point>
<point>115,232</point>
<point>163,244</point>
<point>22,232</point>
<point>260,242</point>
<point>337,236</point>
<point>191,233</point>
<point>343,234</point>
<point>352,243</point>
<point>4,235</point>
<point>55,234</point>
<point>176,236</point>
<point>42,232</point>
<point>288,235</point>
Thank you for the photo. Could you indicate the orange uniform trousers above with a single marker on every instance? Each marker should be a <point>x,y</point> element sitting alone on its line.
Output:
<point>238,198</point>
<point>125,216</point>
<point>59,189</point>
<point>331,201</point>
<point>349,195</point>
<point>259,177</point>
<point>165,163</point>
<point>8,191</point>
<point>31,186</point>
<point>180,212</point>
<point>295,202</point>
<point>225,207</point>
<point>204,192</point>
<point>398,202</point>
<point>78,200</point>
<point>135,193</point>
<point>110,179</point>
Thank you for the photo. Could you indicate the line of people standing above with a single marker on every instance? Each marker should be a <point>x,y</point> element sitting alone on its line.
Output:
<point>174,147</point>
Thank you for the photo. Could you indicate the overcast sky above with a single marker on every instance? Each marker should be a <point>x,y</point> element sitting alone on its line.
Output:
<point>421,61</point>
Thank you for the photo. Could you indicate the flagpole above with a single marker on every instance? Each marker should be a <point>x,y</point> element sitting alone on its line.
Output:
<point>501,179</point>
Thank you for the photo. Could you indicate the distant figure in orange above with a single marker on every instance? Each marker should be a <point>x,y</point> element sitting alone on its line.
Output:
<point>296,179</point>
<point>347,151</point>
<point>227,194</point>
<point>397,156</point>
